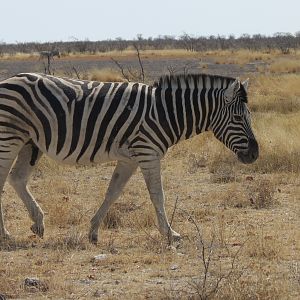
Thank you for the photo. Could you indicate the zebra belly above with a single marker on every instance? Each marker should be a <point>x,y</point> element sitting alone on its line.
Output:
<point>102,156</point>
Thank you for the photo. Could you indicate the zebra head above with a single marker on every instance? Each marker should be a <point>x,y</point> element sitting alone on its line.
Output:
<point>231,124</point>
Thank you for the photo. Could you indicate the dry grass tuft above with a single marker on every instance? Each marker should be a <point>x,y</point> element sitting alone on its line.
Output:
<point>222,172</point>
<point>256,194</point>
<point>235,197</point>
<point>104,75</point>
<point>73,239</point>
<point>262,194</point>
<point>130,215</point>
<point>113,219</point>
<point>262,243</point>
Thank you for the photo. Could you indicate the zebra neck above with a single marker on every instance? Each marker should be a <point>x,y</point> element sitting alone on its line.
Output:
<point>183,112</point>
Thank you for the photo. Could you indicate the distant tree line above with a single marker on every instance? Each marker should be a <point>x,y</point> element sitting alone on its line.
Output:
<point>285,42</point>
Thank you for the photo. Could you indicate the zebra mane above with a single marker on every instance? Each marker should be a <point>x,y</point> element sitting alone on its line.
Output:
<point>193,80</point>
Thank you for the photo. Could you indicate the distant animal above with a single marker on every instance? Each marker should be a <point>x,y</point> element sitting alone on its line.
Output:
<point>49,54</point>
<point>85,122</point>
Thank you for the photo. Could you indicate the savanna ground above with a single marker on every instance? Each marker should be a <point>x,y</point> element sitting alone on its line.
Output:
<point>240,224</point>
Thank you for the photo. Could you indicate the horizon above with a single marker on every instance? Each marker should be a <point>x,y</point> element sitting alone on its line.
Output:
<point>73,39</point>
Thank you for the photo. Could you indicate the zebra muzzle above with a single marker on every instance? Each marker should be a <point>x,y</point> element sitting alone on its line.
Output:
<point>251,154</point>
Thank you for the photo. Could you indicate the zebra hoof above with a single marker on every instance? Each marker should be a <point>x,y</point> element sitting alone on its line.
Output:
<point>38,230</point>
<point>175,237</point>
<point>93,238</point>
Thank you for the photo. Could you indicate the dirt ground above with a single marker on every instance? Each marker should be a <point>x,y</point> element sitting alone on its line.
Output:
<point>154,66</point>
<point>254,251</point>
<point>239,226</point>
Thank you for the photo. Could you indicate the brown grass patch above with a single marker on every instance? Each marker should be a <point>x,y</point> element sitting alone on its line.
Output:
<point>285,66</point>
<point>263,243</point>
<point>239,57</point>
<point>104,75</point>
<point>261,194</point>
<point>279,145</point>
<point>275,93</point>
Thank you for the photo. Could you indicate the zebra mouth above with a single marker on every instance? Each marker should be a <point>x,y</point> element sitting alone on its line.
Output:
<point>246,158</point>
<point>250,155</point>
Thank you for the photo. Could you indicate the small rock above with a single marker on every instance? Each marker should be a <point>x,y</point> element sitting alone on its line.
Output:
<point>99,293</point>
<point>172,248</point>
<point>33,284</point>
<point>86,281</point>
<point>99,257</point>
<point>174,267</point>
<point>31,281</point>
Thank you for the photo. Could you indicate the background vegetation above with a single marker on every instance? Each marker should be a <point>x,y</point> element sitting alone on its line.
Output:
<point>285,42</point>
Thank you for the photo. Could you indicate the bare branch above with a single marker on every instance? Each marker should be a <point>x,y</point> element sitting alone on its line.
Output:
<point>172,218</point>
<point>142,75</point>
<point>76,72</point>
<point>121,69</point>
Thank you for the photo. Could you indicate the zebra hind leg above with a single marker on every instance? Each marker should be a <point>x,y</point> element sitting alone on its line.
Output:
<point>152,174</point>
<point>9,148</point>
<point>120,177</point>
<point>27,159</point>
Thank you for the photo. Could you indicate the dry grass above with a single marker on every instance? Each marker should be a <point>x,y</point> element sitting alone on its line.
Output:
<point>279,142</point>
<point>274,93</point>
<point>119,55</point>
<point>250,209</point>
<point>108,75</point>
<point>20,56</point>
<point>240,57</point>
<point>285,66</point>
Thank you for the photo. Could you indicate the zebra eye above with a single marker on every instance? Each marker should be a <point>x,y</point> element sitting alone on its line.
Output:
<point>237,118</point>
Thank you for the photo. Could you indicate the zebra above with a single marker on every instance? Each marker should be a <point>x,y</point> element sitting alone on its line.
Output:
<point>49,54</point>
<point>88,122</point>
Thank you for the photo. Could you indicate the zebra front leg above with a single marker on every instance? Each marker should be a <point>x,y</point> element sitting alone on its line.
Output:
<point>27,159</point>
<point>152,174</point>
<point>120,177</point>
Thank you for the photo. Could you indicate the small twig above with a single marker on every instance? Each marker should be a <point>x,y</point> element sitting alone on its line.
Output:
<point>76,72</point>
<point>132,74</point>
<point>206,258</point>
<point>172,70</point>
<point>121,69</point>
<point>142,74</point>
<point>172,218</point>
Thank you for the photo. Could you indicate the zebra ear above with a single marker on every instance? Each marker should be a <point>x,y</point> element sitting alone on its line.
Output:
<point>231,90</point>
<point>245,84</point>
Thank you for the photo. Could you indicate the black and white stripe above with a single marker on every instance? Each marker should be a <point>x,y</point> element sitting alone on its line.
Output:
<point>84,122</point>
